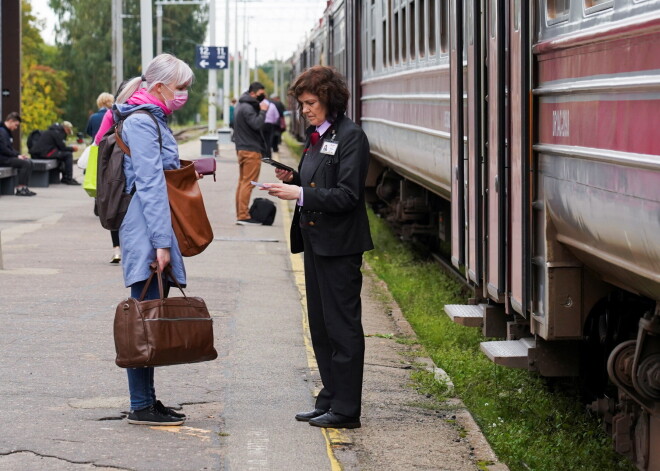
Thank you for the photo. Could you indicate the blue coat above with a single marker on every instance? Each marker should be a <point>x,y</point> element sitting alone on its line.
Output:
<point>147,225</point>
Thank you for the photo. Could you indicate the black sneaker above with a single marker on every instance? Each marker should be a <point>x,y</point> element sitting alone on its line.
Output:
<point>70,181</point>
<point>247,222</point>
<point>152,416</point>
<point>163,409</point>
<point>25,191</point>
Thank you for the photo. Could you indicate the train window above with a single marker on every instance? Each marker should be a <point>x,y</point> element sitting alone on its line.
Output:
<point>432,23</point>
<point>516,15</point>
<point>469,23</point>
<point>592,6</point>
<point>372,33</point>
<point>493,18</point>
<point>389,36</point>
<point>557,9</point>
<point>404,34</point>
<point>444,26</point>
<point>384,44</point>
<point>421,33</point>
<point>396,37</point>
<point>411,18</point>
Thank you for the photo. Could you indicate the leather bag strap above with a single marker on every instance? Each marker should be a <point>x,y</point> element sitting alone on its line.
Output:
<point>154,270</point>
<point>120,142</point>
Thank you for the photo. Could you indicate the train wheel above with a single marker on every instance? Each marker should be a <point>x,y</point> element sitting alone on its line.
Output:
<point>620,364</point>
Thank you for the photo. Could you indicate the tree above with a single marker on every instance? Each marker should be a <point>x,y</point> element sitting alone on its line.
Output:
<point>84,41</point>
<point>44,88</point>
<point>192,20</point>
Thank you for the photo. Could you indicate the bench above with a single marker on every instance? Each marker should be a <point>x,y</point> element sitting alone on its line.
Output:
<point>44,172</point>
<point>8,180</point>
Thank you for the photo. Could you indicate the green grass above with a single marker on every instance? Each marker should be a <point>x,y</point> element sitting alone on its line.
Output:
<point>292,143</point>
<point>529,426</point>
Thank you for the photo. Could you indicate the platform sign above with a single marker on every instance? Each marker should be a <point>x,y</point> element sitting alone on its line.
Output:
<point>211,57</point>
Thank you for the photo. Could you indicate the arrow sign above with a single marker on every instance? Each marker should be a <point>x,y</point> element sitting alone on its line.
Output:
<point>211,57</point>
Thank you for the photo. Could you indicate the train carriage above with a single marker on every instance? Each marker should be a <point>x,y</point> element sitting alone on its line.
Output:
<point>522,135</point>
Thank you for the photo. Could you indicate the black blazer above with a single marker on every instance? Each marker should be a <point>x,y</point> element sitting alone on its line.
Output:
<point>334,214</point>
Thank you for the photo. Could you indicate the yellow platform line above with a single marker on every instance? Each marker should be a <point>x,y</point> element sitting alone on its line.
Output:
<point>333,437</point>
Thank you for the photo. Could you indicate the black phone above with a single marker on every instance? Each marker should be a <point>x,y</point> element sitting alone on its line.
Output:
<point>277,164</point>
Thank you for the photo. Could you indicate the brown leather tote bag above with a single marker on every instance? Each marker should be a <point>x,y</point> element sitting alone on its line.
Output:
<point>189,220</point>
<point>165,331</point>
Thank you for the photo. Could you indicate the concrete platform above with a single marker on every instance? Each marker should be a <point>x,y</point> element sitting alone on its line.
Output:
<point>63,400</point>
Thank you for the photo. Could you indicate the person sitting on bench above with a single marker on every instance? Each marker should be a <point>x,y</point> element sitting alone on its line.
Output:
<point>52,145</point>
<point>10,157</point>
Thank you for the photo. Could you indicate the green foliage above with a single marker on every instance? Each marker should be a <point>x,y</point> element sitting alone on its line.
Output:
<point>283,70</point>
<point>265,80</point>
<point>528,425</point>
<point>44,89</point>
<point>85,50</point>
<point>184,27</point>
<point>84,41</point>
<point>295,146</point>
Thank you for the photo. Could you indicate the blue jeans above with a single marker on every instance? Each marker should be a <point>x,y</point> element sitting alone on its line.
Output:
<point>141,380</point>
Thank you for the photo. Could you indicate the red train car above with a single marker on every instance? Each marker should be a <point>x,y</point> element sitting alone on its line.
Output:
<point>521,136</point>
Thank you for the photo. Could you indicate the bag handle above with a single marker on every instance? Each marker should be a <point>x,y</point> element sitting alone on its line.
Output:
<point>168,271</point>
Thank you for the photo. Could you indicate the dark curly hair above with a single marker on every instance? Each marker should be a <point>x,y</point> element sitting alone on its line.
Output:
<point>327,84</point>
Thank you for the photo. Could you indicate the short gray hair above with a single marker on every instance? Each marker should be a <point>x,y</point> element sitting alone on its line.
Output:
<point>164,68</point>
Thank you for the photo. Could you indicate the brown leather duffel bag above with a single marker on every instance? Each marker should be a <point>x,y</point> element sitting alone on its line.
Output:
<point>165,331</point>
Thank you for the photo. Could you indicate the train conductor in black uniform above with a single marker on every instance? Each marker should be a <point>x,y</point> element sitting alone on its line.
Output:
<point>330,225</point>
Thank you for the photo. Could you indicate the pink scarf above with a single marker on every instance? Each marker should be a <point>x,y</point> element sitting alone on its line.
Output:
<point>143,97</point>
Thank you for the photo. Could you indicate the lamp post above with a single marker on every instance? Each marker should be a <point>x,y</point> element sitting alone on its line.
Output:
<point>225,79</point>
<point>147,41</point>
<point>117,44</point>
<point>213,78</point>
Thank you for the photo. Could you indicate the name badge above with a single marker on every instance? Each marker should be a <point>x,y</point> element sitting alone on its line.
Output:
<point>329,148</point>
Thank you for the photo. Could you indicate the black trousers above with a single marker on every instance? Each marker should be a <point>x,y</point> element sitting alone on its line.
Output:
<point>24,167</point>
<point>267,132</point>
<point>66,158</point>
<point>335,322</point>
<point>277,139</point>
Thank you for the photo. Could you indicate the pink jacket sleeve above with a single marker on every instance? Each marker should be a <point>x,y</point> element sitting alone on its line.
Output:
<point>105,125</point>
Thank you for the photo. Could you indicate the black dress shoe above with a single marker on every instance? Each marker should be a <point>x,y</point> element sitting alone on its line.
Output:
<point>305,416</point>
<point>333,420</point>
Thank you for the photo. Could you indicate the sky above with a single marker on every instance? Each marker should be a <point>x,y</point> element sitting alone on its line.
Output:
<point>275,27</point>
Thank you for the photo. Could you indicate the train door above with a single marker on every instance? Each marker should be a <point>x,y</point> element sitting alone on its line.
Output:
<point>518,161</point>
<point>495,193</point>
<point>475,116</point>
<point>457,103</point>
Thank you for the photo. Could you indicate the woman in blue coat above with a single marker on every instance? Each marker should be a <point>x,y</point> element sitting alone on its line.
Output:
<point>146,232</point>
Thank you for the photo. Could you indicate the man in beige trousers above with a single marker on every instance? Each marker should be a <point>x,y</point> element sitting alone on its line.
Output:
<point>250,146</point>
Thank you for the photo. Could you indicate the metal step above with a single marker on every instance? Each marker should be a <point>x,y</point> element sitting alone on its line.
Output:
<point>464,314</point>
<point>510,353</point>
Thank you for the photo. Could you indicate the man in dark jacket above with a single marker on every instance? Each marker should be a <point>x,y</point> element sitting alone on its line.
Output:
<point>248,122</point>
<point>10,157</point>
<point>52,145</point>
